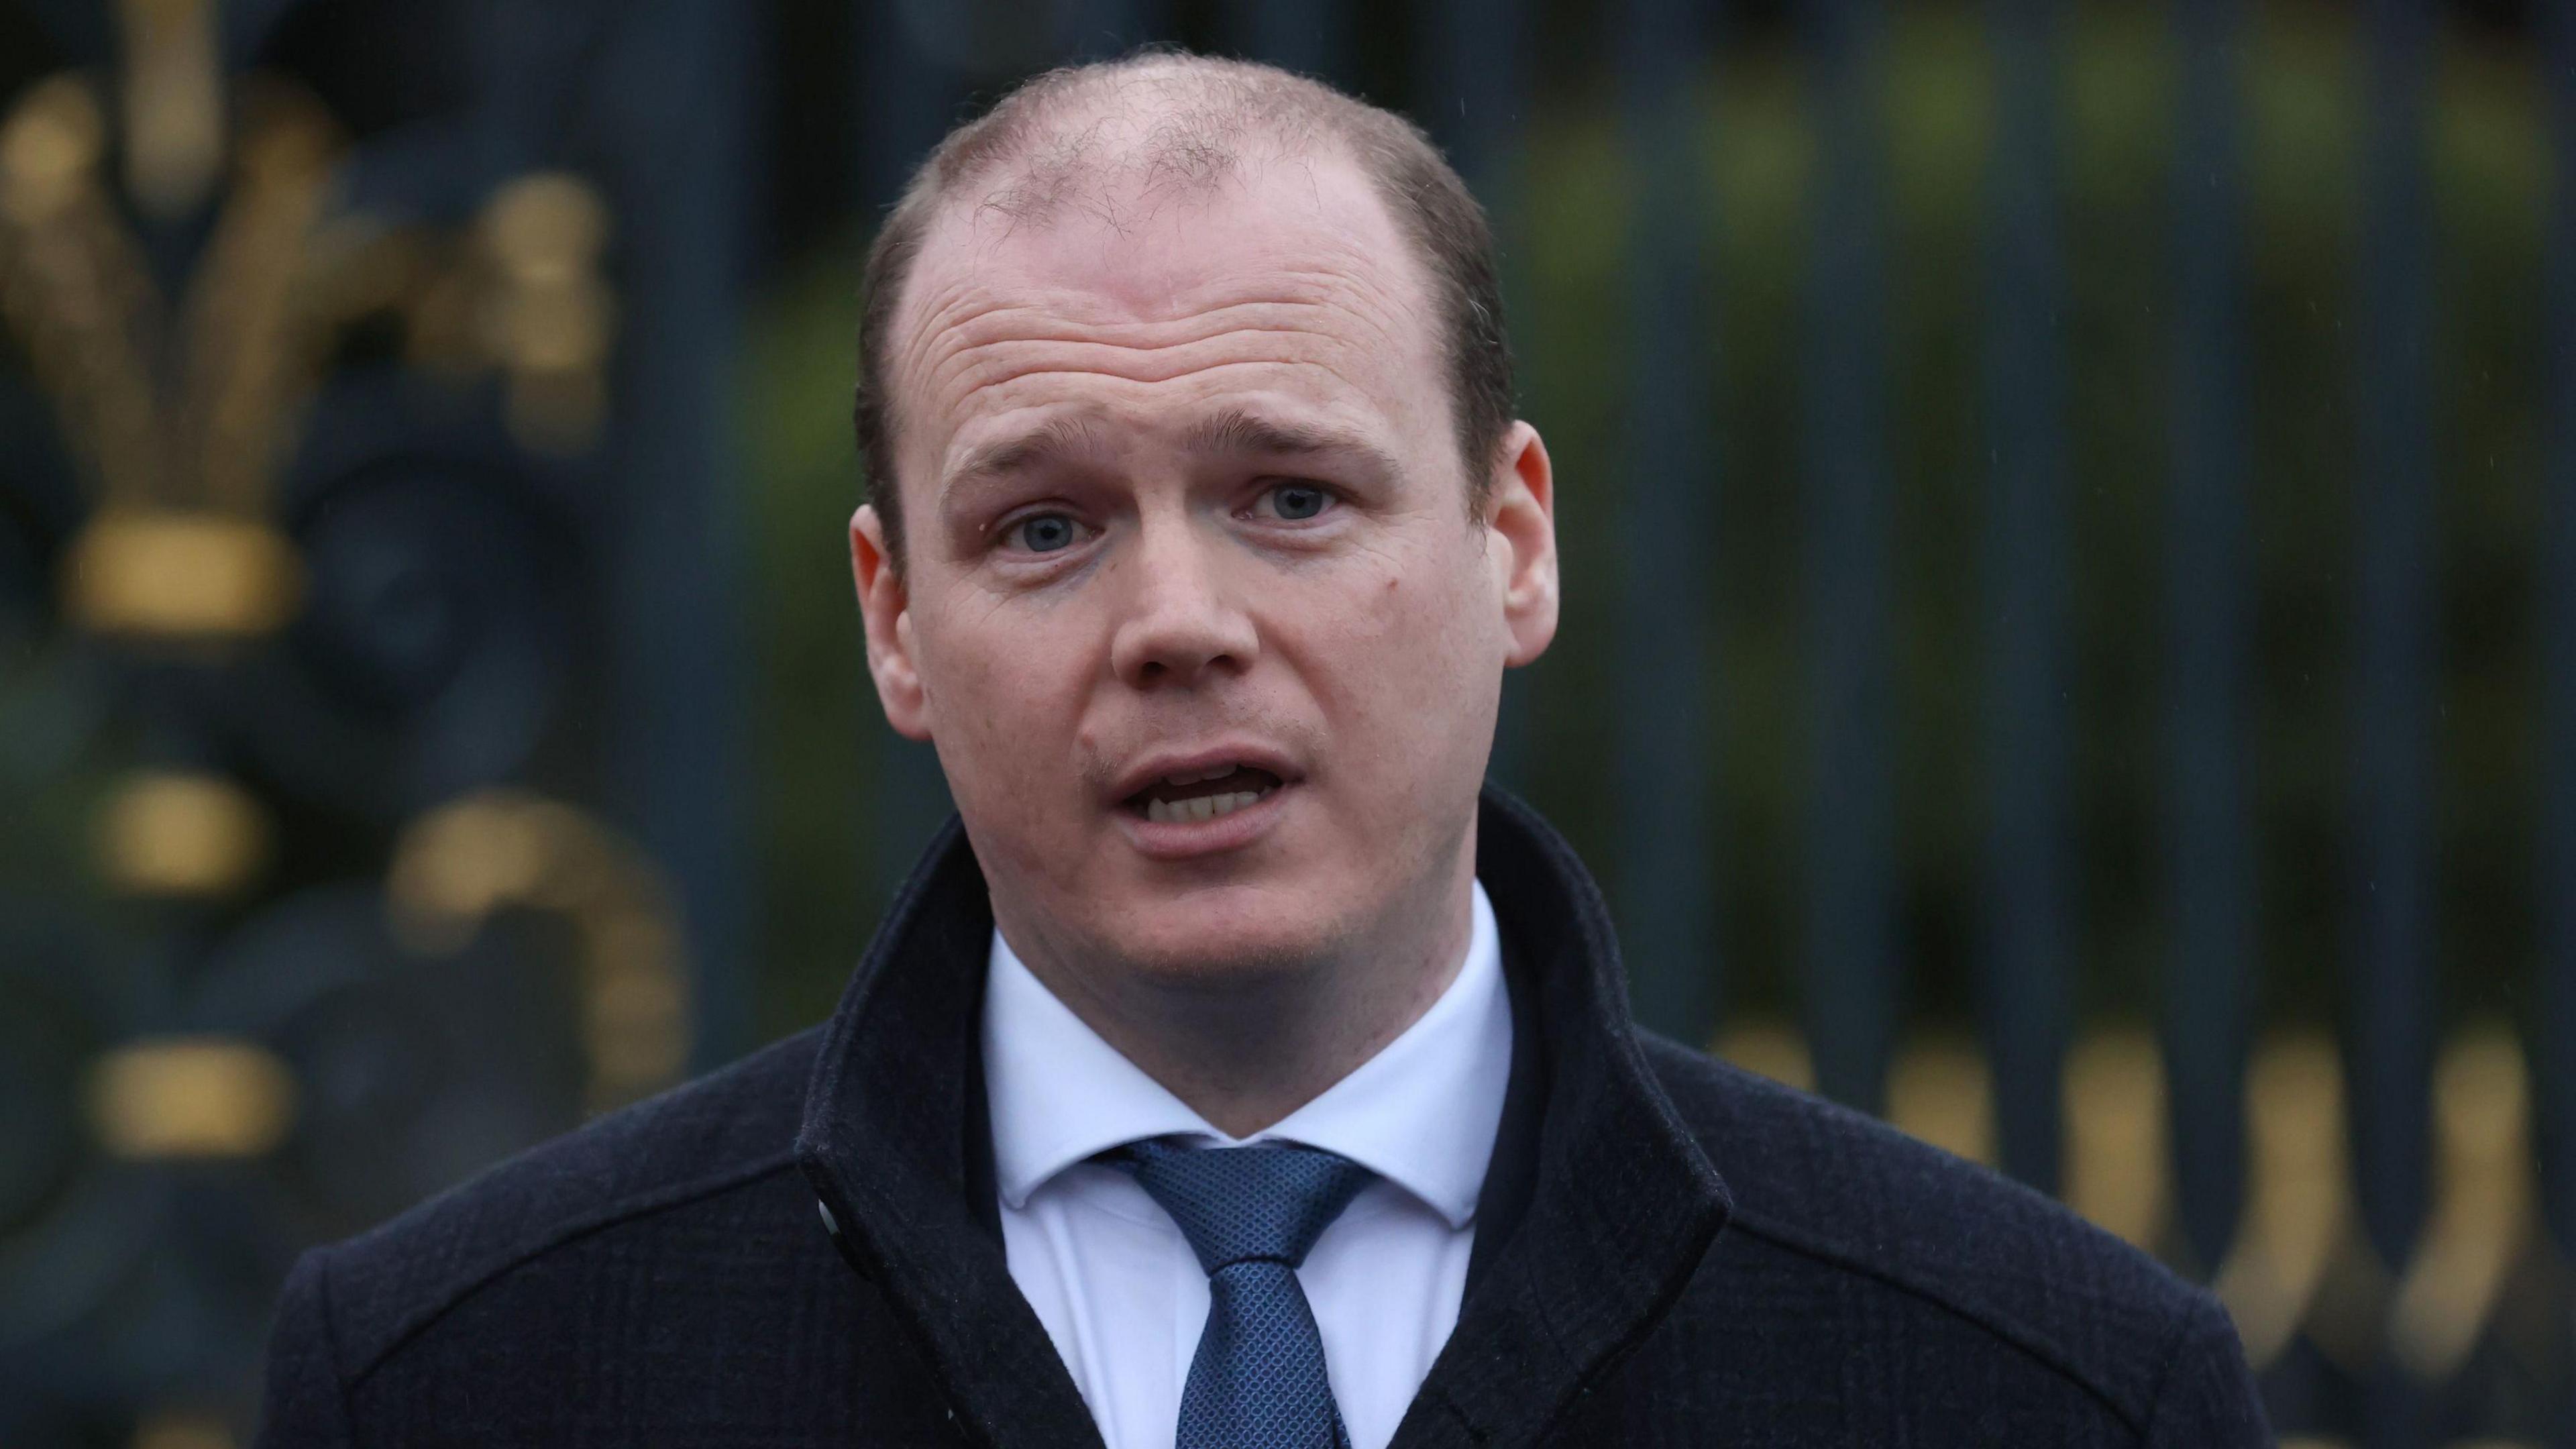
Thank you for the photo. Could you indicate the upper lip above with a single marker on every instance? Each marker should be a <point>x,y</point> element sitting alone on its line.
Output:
<point>1198,759</point>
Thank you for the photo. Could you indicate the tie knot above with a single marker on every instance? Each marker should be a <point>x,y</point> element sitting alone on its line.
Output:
<point>1239,1204</point>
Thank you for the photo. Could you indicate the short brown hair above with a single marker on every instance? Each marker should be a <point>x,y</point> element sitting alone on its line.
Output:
<point>1232,100</point>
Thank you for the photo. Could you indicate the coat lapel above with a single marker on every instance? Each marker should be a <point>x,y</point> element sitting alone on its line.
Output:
<point>1612,1209</point>
<point>886,1145</point>
<point>1621,1203</point>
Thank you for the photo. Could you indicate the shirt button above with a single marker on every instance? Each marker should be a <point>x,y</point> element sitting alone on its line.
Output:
<point>830,1224</point>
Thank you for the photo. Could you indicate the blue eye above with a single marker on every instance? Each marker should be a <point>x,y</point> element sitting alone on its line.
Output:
<point>1299,501</point>
<point>1044,532</point>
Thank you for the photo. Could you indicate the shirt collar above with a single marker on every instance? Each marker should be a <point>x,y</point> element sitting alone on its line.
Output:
<point>1422,1113</point>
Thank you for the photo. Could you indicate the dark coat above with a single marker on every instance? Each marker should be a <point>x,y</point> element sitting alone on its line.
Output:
<point>664,1277</point>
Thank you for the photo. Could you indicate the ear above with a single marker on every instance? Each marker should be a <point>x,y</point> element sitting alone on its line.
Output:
<point>1520,516</point>
<point>886,608</point>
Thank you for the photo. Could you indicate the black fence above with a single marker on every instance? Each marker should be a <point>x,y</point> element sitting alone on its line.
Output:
<point>2070,525</point>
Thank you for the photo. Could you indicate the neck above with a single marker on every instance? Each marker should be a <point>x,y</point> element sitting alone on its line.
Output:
<point>1246,1049</point>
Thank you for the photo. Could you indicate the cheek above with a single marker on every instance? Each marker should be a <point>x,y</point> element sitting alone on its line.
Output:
<point>1407,669</point>
<point>1430,636</point>
<point>1001,692</point>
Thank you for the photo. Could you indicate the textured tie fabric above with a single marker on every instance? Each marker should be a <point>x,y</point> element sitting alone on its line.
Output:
<point>1251,1214</point>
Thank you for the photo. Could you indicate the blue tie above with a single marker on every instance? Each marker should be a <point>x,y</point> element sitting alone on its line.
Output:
<point>1252,1214</point>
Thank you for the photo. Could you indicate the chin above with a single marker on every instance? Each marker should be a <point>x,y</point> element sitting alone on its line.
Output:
<point>1204,943</point>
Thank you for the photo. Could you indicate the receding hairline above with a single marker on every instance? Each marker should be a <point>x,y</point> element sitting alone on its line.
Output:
<point>1050,143</point>
<point>953,231</point>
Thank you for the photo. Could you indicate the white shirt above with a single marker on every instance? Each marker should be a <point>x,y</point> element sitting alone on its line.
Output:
<point>1116,1284</point>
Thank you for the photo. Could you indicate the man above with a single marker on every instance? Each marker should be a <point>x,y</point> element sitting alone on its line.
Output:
<point>1237,1072</point>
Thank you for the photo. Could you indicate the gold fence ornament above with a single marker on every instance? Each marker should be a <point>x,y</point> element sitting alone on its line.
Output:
<point>1768,1048</point>
<point>550,319</point>
<point>181,834</point>
<point>496,849</point>
<point>2118,1156</point>
<point>2484,1215</point>
<point>75,291</point>
<point>174,103</point>
<point>49,146</point>
<point>2298,1214</point>
<point>200,1097</point>
<point>257,339</point>
<point>196,421</point>
<point>1938,1090</point>
<point>2300,1263</point>
<point>181,576</point>
<point>81,301</point>
<point>183,1430</point>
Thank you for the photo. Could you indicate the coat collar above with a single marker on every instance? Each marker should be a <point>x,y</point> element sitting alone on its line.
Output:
<point>894,1126</point>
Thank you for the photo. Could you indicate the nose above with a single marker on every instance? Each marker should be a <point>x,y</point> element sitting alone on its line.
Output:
<point>1180,626</point>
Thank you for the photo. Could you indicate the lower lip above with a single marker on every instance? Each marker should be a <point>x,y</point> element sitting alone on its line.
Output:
<point>1187,839</point>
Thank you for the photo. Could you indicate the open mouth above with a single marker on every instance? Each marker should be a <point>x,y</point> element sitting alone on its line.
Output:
<point>1202,794</point>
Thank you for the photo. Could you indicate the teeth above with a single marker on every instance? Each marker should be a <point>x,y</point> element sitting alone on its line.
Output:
<point>1205,807</point>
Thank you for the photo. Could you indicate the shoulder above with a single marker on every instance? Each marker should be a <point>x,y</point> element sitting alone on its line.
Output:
<point>1841,1194</point>
<point>698,1142</point>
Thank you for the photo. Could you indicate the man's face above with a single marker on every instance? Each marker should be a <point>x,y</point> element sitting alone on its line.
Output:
<point>1195,606</point>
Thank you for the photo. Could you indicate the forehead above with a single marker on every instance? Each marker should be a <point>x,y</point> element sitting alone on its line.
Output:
<point>1286,277</point>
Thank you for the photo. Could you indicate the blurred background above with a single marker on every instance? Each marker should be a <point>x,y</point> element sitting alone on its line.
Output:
<point>2069,515</point>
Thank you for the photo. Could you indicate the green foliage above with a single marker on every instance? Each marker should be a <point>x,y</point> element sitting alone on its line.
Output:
<point>813,708</point>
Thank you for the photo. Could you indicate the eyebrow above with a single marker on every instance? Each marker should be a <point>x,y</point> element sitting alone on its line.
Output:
<point>1054,440</point>
<point>1231,433</point>
<point>1236,432</point>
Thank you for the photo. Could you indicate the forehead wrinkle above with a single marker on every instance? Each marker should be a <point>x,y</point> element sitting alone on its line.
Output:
<point>968,325</point>
<point>1000,364</point>
<point>1309,321</point>
<point>985,342</point>
<point>1249,320</point>
<point>1326,368</point>
<point>1004,359</point>
<point>989,327</point>
<point>915,362</point>
<point>963,304</point>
